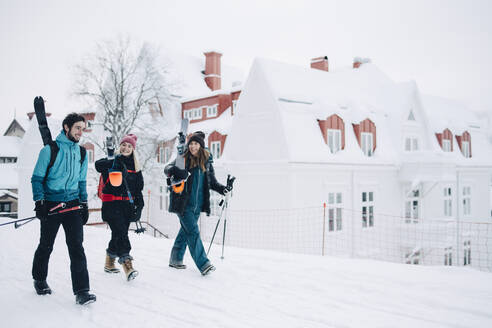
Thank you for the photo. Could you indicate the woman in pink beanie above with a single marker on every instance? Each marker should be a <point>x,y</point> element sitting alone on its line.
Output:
<point>117,211</point>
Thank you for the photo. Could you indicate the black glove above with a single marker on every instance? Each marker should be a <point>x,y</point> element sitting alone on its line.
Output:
<point>178,173</point>
<point>84,212</point>
<point>137,212</point>
<point>41,209</point>
<point>228,188</point>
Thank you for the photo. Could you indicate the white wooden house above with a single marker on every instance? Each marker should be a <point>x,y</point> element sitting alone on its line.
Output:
<point>378,153</point>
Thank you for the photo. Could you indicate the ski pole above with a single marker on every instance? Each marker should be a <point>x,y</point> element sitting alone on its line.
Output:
<point>216,226</point>
<point>230,183</point>
<point>20,220</point>
<point>18,225</point>
<point>130,199</point>
<point>140,228</point>
<point>225,223</point>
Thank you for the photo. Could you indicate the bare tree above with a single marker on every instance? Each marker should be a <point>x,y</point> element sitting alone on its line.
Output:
<point>130,90</point>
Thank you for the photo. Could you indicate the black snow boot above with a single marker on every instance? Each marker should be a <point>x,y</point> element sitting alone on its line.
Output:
<point>84,298</point>
<point>42,287</point>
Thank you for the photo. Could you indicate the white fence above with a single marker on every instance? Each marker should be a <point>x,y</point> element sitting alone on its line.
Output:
<point>343,232</point>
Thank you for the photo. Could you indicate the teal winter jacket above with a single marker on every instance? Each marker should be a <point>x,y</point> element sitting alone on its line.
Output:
<point>67,177</point>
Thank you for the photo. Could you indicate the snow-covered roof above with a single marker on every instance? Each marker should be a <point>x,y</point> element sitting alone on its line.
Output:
<point>451,114</point>
<point>282,104</point>
<point>8,176</point>
<point>10,146</point>
<point>4,192</point>
<point>221,124</point>
<point>23,121</point>
<point>187,70</point>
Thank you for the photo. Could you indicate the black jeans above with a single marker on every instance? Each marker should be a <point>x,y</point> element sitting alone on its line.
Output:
<point>119,245</point>
<point>74,236</point>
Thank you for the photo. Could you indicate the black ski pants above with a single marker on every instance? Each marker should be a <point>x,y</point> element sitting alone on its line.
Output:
<point>119,245</point>
<point>74,236</point>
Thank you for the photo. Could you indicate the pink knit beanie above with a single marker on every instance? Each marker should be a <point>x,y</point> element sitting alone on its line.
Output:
<point>131,139</point>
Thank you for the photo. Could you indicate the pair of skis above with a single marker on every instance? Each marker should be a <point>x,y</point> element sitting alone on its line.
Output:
<point>177,185</point>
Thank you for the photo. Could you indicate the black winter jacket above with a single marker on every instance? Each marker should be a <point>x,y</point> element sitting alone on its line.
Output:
<point>116,209</point>
<point>178,202</point>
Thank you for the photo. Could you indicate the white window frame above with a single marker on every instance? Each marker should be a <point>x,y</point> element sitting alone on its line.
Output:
<point>367,146</point>
<point>467,252</point>
<point>465,146</point>
<point>411,143</point>
<point>334,137</point>
<point>446,145</point>
<point>167,154</point>
<point>197,113</point>
<point>448,256</point>
<point>412,206</point>
<point>90,155</point>
<point>466,199</point>
<point>215,149</point>
<point>448,201</point>
<point>212,110</point>
<point>335,211</point>
<point>367,209</point>
<point>187,114</point>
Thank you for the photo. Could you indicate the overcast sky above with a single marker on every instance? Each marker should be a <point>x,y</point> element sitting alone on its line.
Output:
<point>443,45</point>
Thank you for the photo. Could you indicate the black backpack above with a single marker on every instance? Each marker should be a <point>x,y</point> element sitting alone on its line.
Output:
<point>54,152</point>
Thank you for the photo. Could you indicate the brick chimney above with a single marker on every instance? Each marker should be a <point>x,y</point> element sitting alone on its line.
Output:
<point>212,70</point>
<point>88,116</point>
<point>320,63</point>
<point>359,61</point>
<point>31,115</point>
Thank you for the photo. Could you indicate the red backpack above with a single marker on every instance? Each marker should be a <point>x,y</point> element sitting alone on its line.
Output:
<point>101,186</point>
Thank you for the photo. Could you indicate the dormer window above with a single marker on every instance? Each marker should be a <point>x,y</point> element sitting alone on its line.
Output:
<point>333,131</point>
<point>464,142</point>
<point>365,132</point>
<point>334,140</point>
<point>215,149</point>
<point>366,143</point>
<point>445,140</point>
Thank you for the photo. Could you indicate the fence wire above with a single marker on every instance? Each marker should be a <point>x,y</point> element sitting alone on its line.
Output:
<point>339,231</point>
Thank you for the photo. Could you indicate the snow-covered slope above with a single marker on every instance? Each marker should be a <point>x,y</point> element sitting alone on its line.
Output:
<point>251,288</point>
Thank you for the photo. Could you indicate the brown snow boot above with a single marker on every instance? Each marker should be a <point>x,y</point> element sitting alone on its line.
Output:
<point>109,266</point>
<point>130,272</point>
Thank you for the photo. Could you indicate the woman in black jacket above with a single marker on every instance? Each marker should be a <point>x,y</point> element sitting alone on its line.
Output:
<point>194,199</point>
<point>117,210</point>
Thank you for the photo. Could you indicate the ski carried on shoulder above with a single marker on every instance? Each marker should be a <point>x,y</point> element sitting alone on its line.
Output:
<point>42,122</point>
<point>177,185</point>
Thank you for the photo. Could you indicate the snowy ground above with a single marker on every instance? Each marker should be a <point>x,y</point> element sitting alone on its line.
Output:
<point>250,288</point>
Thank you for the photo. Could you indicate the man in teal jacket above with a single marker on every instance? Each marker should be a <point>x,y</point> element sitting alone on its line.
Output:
<point>61,199</point>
